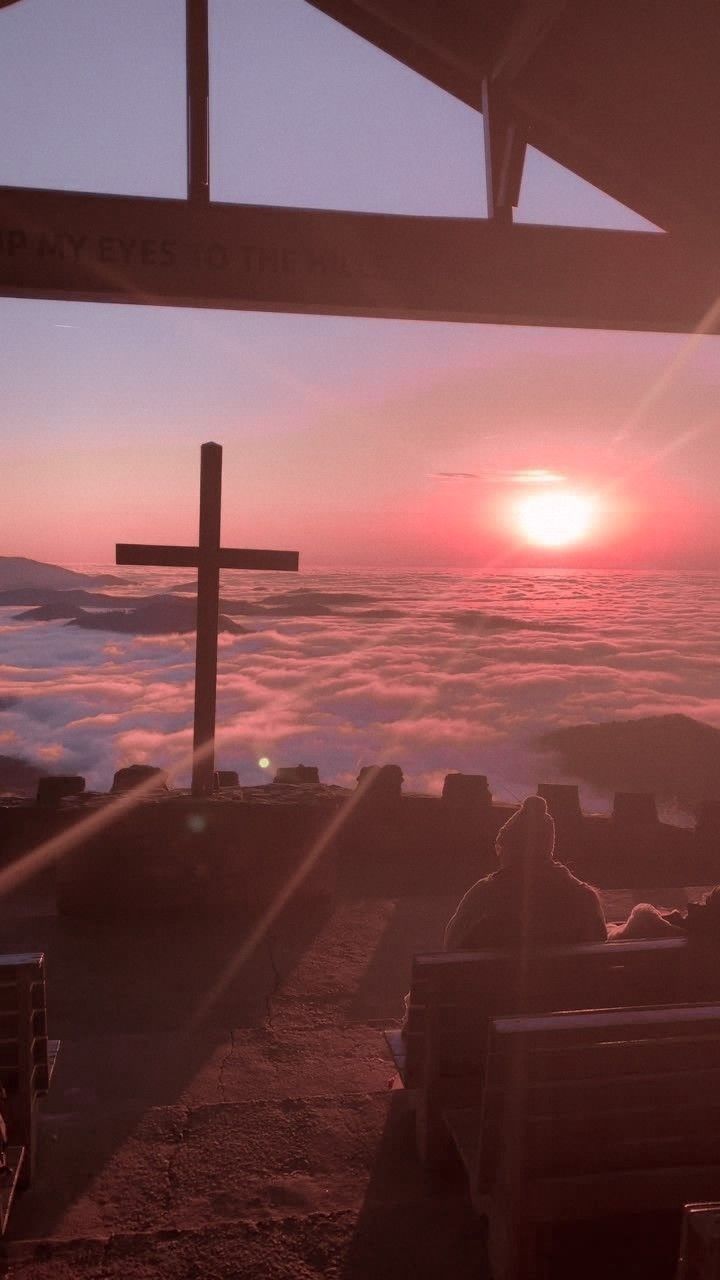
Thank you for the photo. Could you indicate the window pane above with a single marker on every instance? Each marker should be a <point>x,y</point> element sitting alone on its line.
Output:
<point>92,95</point>
<point>304,112</point>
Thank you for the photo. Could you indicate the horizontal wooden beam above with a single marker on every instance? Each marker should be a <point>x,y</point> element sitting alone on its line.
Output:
<point>287,561</point>
<point>145,553</point>
<point>189,557</point>
<point>70,245</point>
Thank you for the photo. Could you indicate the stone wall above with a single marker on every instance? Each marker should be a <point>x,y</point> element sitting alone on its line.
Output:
<point>241,847</point>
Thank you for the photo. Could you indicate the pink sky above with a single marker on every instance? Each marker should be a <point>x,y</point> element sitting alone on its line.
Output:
<point>356,441</point>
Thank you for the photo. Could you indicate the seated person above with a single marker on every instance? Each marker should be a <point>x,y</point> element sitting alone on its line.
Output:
<point>701,920</point>
<point>531,898</point>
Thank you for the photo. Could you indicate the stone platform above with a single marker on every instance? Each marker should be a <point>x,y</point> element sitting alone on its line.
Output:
<point>225,1121</point>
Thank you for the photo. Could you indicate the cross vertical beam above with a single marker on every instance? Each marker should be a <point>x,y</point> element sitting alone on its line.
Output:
<point>208,597</point>
<point>198,99</point>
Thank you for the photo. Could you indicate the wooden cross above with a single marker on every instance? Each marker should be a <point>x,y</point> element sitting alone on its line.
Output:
<point>208,558</point>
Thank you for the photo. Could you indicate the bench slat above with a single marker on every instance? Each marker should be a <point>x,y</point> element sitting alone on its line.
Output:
<point>53,1051</point>
<point>9,995</point>
<point>629,1023</point>
<point>592,1062</point>
<point>395,1041</point>
<point>581,1197</point>
<point>9,1177</point>
<point>25,1066</point>
<point>464,1128</point>
<point>622,1141</point>
<point>605,1093</point>
<point>455,971</point>
<point>9,1024</point>
<point>21,959</point>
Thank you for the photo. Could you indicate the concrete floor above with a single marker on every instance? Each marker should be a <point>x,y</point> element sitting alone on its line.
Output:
<point>214,1120</point>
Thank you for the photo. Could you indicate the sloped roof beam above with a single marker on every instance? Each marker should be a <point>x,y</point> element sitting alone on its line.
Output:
<point>527,32</point>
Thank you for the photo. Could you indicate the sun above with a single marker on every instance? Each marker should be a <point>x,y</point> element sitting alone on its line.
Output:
<point>556,519</point>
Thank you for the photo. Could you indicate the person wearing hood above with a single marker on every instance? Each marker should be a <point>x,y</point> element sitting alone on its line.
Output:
<point>531,898</point>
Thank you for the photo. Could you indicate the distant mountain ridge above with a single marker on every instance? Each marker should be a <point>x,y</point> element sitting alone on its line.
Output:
<point>52,597</point>
<point>161,615</point>
<point>19,571</point>
<point>45,604</point>
<point>674,756</point>
<point>134,615</point>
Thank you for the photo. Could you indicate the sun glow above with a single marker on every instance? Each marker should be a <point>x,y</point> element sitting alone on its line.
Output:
<point>555,519</point>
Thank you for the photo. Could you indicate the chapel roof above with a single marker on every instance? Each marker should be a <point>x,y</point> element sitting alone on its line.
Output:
<point>626,95</point>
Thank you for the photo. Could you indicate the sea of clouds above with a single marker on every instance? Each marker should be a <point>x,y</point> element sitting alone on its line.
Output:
<point>435,671</point>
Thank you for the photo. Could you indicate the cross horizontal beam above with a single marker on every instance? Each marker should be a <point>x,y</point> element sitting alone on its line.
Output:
<point>71,245</point>
<point>189,557</point>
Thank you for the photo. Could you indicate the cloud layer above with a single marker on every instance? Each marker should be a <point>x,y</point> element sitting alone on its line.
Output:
<point>434,671</point>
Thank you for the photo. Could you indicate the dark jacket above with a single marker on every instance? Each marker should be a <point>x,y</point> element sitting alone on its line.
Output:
<point>544,906</point>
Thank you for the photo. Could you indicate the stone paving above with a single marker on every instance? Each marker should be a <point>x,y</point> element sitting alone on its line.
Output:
<point>215,1121</point>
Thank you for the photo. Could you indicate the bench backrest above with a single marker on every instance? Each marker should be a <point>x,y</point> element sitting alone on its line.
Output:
<point>24,1067</point>
<point>453,995</point>
<point>577,1094</point>
<point>699,1254</point>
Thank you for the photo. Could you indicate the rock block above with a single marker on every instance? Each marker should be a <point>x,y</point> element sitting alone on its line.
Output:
<point>381,784</point>
<point>226,778</point>
<point>376,800</point>
<point>466,791</point>
<point>50,791</point>
<point>137,774</point>
<point>563,801</point>
<point>298,773</point>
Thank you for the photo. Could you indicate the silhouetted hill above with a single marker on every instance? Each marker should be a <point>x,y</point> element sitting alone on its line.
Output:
<point>76,595</point>
<point>303,599</point>
<point>51,605</point>
<point>45,604</point>
<point>674,756</point>
<point>96,611</point>
<point>48,612</point>
<point>161,615</point>
<point>18,776</point>
<point>479,620</point>
<point>18,571</point>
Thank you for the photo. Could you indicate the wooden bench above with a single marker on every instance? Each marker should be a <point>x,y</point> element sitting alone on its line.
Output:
<point>27,1056</point>
<point>454,995</point>
<point>588,1115</point>
<point>9,1180</point>
<point>699,1257</point>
